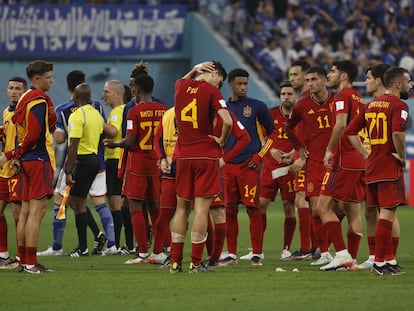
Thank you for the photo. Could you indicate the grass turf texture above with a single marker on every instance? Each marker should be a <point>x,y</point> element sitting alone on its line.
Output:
<point>106,283</point>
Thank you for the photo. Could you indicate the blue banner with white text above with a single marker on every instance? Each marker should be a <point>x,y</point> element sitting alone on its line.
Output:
<point>90,30</point>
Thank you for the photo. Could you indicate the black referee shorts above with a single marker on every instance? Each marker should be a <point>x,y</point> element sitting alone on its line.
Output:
<point>113,183</point>
<point>84,172</point>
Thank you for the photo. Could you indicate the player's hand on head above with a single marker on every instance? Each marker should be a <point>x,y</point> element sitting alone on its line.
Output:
<point>204,67</point>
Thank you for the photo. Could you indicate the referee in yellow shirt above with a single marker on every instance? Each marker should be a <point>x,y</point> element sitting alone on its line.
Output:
<point>113,95</point>
<point>84,130</point>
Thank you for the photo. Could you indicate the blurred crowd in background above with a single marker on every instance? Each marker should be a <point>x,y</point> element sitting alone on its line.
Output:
<point>272,34</point>
<point>276,33</point>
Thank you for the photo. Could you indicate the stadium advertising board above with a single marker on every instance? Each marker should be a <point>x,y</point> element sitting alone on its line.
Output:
<point>90,30</point>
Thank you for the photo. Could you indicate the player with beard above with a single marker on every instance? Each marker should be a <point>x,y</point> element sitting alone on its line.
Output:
<point>269,186</point>
<point>343,184</point>
<point>314,111</point>
<point>374,83</point>
<point>385,183</point>
<point>308,243</point>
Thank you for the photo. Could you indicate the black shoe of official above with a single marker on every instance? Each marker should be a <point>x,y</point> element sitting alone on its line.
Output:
<point>99,244</point>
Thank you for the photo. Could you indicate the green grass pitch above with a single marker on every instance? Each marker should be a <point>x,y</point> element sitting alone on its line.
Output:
<point>106,283</point>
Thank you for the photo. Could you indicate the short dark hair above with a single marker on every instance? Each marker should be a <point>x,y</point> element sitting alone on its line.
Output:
<point>74,78</point>
<point>285,83</point>
<point>378,71</point>
<point>18,79</point>
<point>348,67</point>
<point>302,64</point>
<point>83,92</point>
<point>127,94</point>
<point>220,69</point>
<point>145,83</point>
<point>392,74</point>
<point>318,70</point>
<point>38,68</point>
<point>238,72</point>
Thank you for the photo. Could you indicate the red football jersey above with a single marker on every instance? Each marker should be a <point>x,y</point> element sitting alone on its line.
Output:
<point>383,116</point>
<point>238,131</point>
<point>195,103</point>
<point>143,121</point>
<point>316,125</point>
<point>281,140</point>
<point>350,102</point>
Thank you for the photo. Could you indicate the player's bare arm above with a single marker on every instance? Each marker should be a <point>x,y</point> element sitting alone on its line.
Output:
<point>398,139</point>
<point>127,142</point>
<point>72,154</point>
<point>297,165</point>
<point>110,130</point>
<point>59,136</point>
<point>336,135</point>
<point>227,125</point>
<point>357,144</point>
<point>199,68</point>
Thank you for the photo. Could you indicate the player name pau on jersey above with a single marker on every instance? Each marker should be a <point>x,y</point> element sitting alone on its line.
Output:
<point>192,90</point>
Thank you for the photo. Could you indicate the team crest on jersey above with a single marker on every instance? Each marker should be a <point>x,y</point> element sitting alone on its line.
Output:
<point>247,111</point>
<point>310,187</point>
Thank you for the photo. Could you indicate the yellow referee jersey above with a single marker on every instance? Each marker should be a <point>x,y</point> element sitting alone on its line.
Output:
<point>87,124</point>
<point>115,119</point>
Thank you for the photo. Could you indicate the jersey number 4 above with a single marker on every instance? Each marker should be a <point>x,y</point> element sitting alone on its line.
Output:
<point>189,113</point>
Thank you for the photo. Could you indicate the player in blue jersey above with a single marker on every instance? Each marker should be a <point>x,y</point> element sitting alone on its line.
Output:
<point>98,189</point>
<point>242,173</point>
